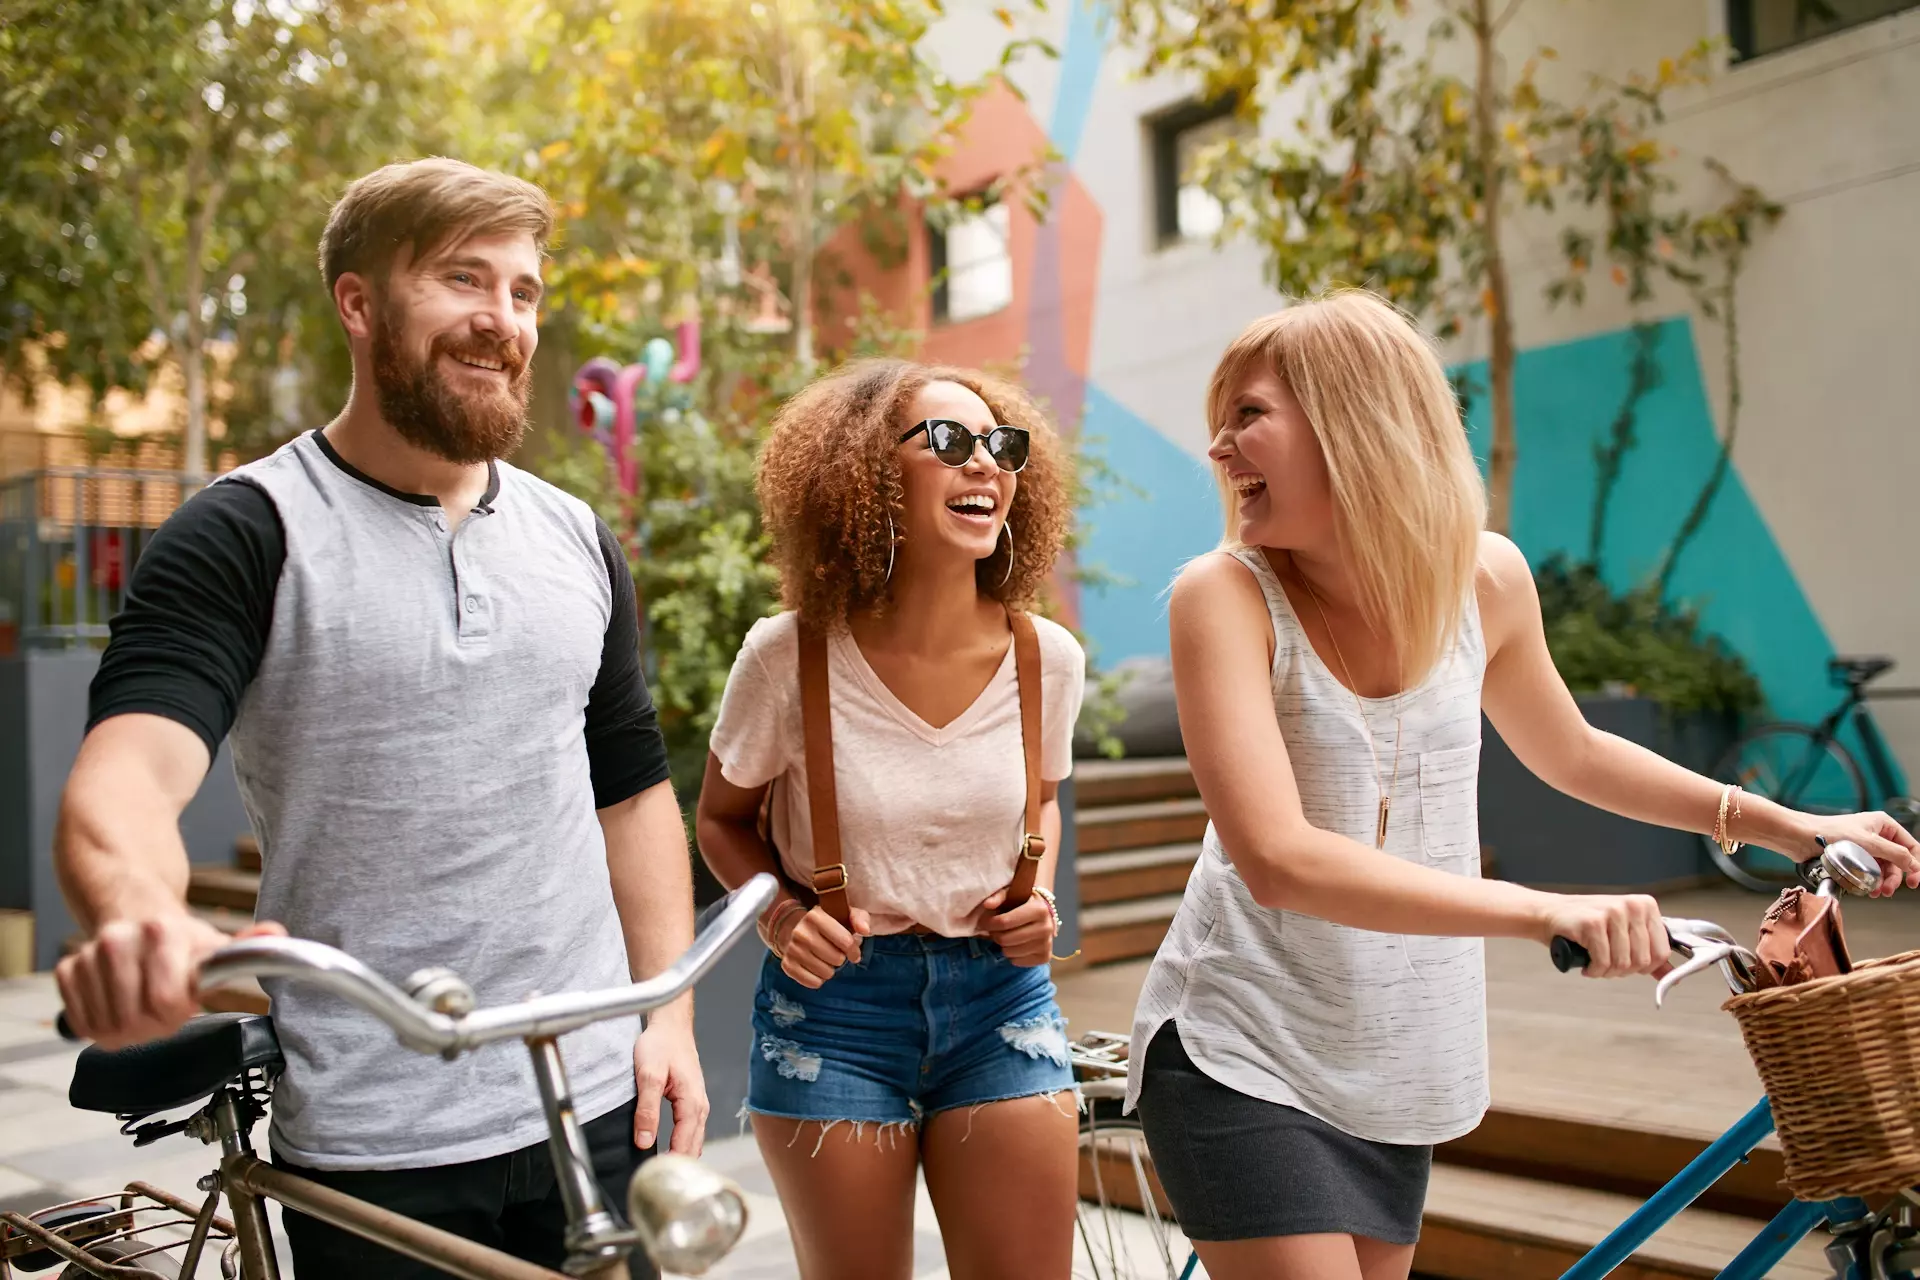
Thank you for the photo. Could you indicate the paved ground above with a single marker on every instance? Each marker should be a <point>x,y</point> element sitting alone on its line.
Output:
<point>50,1153</point>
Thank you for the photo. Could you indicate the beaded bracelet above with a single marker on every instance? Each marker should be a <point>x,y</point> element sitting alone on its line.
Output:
<point>1721,835</point>
<point>1053,909</point>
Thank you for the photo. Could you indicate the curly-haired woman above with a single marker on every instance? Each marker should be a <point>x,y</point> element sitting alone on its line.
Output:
<point>905,1015</point>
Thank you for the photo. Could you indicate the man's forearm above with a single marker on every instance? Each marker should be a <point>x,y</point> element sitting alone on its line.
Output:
<point>117,851</point>
<point>652,880</point>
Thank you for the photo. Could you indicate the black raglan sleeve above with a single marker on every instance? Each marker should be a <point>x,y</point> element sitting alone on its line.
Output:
<point>199,607</point>
<point>626,752</point>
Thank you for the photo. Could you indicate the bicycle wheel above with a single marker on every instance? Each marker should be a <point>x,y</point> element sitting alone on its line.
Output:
<point>1124,1228</point>
<point>115,1251</point>
<point>1791,765</point>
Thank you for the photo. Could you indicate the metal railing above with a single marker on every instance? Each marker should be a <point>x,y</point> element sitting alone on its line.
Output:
<point>69,538</point>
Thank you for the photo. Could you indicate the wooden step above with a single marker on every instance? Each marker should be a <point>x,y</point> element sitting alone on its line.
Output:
<point>1606,1155</point>
<point>1134,873</point>
<point>246,853</point>
<point>1103,782</point>
<point>1480,1224</point>
<point>1138,826</point>
<point>226,887</point>
<point>1125,930</point>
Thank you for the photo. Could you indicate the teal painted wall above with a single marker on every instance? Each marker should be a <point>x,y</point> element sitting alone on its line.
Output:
<point>1565,397</point>
<point>1167,513</point>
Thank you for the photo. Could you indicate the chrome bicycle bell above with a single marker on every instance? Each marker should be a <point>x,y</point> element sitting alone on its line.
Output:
<point>1850,868</point>
<point>688,1216</point>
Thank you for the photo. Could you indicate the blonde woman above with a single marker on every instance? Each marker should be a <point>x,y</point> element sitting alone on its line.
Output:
<point>1315,1020</point>
<point>905,1017</point>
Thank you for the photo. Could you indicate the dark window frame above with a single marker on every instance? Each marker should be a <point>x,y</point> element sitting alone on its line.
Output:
<point>1741,38</point>
<point>1163,133</point>
<point>937,256</point>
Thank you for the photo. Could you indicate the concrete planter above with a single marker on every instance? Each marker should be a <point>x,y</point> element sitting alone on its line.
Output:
<point>1534,835</point>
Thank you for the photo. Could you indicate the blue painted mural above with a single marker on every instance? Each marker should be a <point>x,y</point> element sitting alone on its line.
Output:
<point>1565,398</point>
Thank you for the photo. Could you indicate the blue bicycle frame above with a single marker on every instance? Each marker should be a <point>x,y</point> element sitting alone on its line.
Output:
<point>1788,1228</point>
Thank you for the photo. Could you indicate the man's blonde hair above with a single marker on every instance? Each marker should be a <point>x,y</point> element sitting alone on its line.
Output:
<point>1409,503</point>
<point>422,206</point>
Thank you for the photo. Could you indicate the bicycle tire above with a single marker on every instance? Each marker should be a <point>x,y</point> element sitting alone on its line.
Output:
<point>1125,1230</point>
<point>1768,761</point>
<point>115,1251</point>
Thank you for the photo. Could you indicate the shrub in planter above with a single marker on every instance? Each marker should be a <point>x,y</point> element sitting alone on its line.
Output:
<point>1638,642</point>
<point>1642,670</point>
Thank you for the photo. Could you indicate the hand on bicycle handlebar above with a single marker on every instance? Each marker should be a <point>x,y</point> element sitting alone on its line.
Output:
<point>136,980</point>
<point>816,944</point>
<point>1891,845</point>
<point>1621,934</point>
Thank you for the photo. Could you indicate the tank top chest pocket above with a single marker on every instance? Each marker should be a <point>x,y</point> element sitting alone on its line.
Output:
<point>1450,809</point>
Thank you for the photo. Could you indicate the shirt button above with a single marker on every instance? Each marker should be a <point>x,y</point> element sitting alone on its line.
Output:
<point>473,604</point>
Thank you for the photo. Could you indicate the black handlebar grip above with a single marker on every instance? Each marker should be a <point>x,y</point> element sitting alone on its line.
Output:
<point>64,1027</point>
<point>1568,955</point>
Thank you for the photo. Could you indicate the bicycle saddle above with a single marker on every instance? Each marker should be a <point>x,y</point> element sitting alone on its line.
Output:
<point>1857,671</point>
<point>189,1065</point>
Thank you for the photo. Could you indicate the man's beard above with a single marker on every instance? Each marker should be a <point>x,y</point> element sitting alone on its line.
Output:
<point>417,401</point>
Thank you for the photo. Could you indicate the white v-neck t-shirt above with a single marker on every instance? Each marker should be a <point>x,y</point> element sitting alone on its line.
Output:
<point>930,818</point>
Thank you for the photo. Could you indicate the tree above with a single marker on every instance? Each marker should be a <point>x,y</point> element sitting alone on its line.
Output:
<point>725,159</point>
<point>1401,174</point>
<point>170,165</point>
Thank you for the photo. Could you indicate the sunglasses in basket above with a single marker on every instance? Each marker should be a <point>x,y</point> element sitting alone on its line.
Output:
<point>953,443</point>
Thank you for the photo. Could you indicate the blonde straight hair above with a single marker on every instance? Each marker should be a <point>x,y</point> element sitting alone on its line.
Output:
<point>1408,499</point>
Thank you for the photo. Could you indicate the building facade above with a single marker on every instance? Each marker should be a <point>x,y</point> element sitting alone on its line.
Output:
<point>1117,305</point>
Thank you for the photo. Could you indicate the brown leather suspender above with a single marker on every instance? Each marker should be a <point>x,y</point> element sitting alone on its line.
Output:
<point>823,805</point>
<point>1026,668</point>
<point>816,716</point>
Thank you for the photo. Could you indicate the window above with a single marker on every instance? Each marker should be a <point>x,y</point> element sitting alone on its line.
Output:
<point>1759,27</point>
<point>1183,209</point>
<point>972,265</point>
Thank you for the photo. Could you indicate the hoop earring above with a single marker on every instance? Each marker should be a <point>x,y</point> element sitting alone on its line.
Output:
<point>890,541</point>
<point>1008,529</point>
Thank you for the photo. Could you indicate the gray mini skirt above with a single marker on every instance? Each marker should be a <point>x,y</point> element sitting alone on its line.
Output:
<point>1238,1168</point>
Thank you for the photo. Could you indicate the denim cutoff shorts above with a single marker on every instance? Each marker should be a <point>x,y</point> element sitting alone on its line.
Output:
<point>920,1025</point>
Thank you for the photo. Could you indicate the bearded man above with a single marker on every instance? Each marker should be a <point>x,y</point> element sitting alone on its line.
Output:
<point>427,664</point>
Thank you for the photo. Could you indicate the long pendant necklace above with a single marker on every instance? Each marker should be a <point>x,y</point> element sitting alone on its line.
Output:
<point>1386,788</point>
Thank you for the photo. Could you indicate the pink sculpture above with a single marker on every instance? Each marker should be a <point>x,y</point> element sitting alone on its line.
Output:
<point>603,395</point>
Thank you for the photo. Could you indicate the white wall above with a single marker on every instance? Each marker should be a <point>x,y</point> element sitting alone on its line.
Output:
<point>1830,435</point>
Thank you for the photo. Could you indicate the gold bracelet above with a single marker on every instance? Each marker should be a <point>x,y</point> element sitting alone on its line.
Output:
<point>1722,835</point>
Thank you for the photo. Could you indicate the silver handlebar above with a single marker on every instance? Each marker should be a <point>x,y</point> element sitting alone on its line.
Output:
<point>1842,866</point>
<point>444,1025</point>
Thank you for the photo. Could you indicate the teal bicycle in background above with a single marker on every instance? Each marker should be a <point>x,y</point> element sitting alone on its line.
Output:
<point>1807,767</point>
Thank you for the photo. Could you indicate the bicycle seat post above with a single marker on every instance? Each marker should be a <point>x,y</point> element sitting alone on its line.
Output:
<point>597,1243</point>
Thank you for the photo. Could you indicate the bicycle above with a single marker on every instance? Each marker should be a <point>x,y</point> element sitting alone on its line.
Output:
<point>1807,767</point>
<point>683,1214</point>
<point>1130,1222</point>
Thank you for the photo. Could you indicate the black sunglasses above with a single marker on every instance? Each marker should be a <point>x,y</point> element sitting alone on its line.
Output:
<point>953,443</point>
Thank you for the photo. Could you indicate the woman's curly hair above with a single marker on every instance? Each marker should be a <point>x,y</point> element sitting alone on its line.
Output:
<point>829,479</point>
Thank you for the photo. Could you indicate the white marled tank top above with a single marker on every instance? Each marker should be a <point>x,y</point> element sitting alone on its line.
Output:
<point>1381,1035</point>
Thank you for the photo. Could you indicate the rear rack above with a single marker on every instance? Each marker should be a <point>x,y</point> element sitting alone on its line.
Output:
<point>72,1230</point>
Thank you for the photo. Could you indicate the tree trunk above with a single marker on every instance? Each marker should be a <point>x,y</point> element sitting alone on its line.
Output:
<point>1703,501</point>
<point>193,368</point>
<point>1499,314</point>
<point>796,75</point>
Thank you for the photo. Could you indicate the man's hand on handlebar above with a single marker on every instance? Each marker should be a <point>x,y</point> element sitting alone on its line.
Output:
<point>136,980</point>
<point>1622,934</point>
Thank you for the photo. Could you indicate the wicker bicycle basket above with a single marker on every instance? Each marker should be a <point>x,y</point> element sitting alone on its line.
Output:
<point>1840,1059</point>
